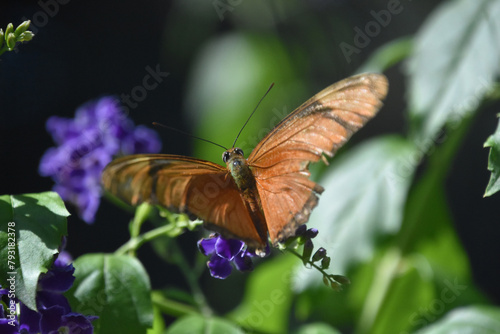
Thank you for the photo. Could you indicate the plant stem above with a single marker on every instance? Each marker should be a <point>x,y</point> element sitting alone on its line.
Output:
<point>321,270</point>
<point>439,164</point>
<point>134,243</point>
<point>171,307</point>
<point>199,297</point>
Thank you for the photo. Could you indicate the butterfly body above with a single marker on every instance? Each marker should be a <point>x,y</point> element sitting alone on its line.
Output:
<point>270,193</point>
<point>237,165</point>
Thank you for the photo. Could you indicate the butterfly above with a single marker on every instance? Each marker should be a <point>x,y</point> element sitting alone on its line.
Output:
<point>267,195</point>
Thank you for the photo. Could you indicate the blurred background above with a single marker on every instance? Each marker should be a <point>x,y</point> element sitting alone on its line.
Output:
<point>215,60</point>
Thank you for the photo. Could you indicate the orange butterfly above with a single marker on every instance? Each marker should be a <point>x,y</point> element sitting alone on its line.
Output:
<point>268,193</point>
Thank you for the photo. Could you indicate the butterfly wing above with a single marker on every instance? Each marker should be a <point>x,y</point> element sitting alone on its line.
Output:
<point>186,185</point>
<point>319,126</point>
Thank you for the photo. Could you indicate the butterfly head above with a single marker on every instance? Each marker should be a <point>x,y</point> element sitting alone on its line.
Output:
<point>233,155</point>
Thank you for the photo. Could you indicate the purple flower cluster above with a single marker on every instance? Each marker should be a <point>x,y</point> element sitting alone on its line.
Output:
<point>85,145</point>
<point>222,253</point>
<point>54,312</point>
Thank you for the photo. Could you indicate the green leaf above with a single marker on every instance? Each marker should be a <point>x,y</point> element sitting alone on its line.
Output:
<point>194,324</point>
<point>454,64</point>
<point>116,288</point>
<point>388,55</point>
<point>493,162</point>
<point>268,297</point>
<point>365,192</point>
<point>410,291</point>
<point>317,328</point>
<point>472,319</point>
<point>446,79</point>
<point>39,223</point>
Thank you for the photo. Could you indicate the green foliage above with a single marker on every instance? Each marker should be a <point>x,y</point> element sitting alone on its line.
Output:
<point>268,297</point>
<point>452,65</point>
<point>493,143</point>
<point>195,324</point>
<point>473,319</point>
<point>11,36</point>
<point>317,328</point>
<point>364,197</point>
<point>382,224</point>
<point>116,288</point>
<point>38,222</point>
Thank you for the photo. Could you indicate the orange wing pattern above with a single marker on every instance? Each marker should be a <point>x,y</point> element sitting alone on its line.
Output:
<point>187,185</point>
<point>280,162</point>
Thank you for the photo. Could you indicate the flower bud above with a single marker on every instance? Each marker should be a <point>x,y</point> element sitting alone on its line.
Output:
<point>308,248</point>
<point>11,41</point>
<point>325,263</point>
<point>336,286</point>
<point>311,233</point>
<point>26,36</point>
<point>9,29</point>
<point>320,254</point>
<point>301,230</point>
<point>341,279</point>
<point>22,28</point>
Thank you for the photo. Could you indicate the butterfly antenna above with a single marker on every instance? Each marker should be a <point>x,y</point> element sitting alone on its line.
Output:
<point>187,134</point>
<point>262,98</point>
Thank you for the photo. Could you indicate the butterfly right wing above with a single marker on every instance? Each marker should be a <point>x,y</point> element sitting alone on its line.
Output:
<point>319,127</point>
<point>181,184</point>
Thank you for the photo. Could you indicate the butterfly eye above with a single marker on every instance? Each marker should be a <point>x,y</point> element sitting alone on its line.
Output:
<point>225,156</point>
<point>238,151</point>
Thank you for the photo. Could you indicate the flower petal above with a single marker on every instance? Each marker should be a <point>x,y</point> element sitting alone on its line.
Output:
<point>78,323</point>
<point>58,279</point>
<point>228,248</point>
<point>243,262</point>
<point>207,246</point>
<point>51,319</point>
<point>219,267</point>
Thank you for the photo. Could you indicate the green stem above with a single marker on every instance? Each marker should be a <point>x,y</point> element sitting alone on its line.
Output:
<point>321,270</point>
<point>439,164</point>
<point>171,307</point>
<point>199,297</point>
<point>134,243</point>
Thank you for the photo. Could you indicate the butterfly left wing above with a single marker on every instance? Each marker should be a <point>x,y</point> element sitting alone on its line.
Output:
<point>320,126</point>
<point>186,185</point>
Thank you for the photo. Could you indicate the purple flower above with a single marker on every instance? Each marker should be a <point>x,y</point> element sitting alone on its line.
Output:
<point>54,312</point>
<point>222,253</point>
<point>85,145</point>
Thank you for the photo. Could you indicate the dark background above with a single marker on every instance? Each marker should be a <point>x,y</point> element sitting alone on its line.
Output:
<point>87,49</point>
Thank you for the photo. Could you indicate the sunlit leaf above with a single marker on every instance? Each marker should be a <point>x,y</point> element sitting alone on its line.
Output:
<point>473,319</point>
<point>35,223</point>
<point>365,192</point>
<point>493,142</point>
<point>317,328</point>
<point>197,324</point>
<point>454,63</point>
